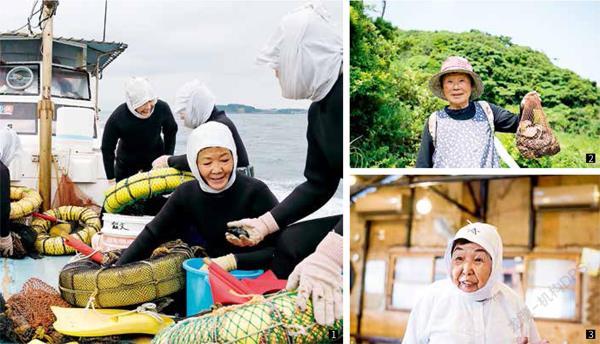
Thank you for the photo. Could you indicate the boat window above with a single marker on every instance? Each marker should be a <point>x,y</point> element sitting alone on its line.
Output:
<point>19,80</point>
<point>19,116</point>
<point>20,50</point>
<point>67,83</point>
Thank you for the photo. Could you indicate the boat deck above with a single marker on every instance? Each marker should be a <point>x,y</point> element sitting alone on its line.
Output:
<point>16,271</point>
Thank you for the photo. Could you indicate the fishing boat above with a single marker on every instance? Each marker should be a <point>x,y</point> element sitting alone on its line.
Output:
<point>37,69</point>
<point>77,66</point>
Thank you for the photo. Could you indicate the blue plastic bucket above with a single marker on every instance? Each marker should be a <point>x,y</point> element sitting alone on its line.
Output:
<point>198,294</point>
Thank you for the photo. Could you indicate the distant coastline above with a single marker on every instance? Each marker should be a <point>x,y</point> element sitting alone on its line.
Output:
<point>241,109</point>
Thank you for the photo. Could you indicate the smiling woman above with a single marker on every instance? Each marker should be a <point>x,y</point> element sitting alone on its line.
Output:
<point>473,305</point>
<point>215,165</point>
<point>462,134</point>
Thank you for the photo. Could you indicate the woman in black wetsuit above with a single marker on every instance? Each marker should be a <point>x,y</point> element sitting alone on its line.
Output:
<point>195,104</point>
<point>198,211</point>
<point>136,126</point>
<point>306,54</point>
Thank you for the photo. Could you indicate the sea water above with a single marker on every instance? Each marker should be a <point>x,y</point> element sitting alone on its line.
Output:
<point>276,146</point>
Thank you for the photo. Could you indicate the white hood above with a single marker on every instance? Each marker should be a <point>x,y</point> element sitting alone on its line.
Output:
<point>138,92</point>
<point>196,101</point>
<point>487,237</point>
<point>306,50</point>
<point>211,134</point>
<point>10,145</point>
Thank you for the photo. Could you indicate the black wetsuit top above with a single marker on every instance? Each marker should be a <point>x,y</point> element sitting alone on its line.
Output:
<point>4,199</point>
<point>504,121</point>
<point>180,161</point>
<point>324,160</point>
<point>207,214</point>
<point>139,139</point>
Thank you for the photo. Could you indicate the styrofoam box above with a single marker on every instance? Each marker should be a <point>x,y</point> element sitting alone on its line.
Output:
<point>124,225</point>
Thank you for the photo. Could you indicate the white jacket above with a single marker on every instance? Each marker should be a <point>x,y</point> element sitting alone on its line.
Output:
<point>443,315</point>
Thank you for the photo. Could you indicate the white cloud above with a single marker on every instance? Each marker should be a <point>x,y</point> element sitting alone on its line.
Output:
<point>175,41</point>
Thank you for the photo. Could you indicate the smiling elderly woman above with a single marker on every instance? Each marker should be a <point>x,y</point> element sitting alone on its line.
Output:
<point>472,305</point>
<point>462,134</point>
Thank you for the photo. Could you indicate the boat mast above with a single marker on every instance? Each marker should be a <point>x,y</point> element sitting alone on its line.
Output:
<point>46,106</point>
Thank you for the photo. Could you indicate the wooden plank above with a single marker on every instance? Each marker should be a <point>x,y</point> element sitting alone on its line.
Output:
<point>391,324</point>
<point>424,233</point>
<point>508,209</point>
<point>387,233</point>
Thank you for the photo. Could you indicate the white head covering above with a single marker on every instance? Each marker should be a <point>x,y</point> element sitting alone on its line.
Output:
<point>487,237</point>
<point>10,145</point>
<point>197,101</point>
<point>210,134</point>
<point>306,50</point>
<point>138,92</point>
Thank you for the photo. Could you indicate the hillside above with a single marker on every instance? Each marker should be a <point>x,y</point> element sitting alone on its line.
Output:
<point>240,108</point>
<point>390,100</point>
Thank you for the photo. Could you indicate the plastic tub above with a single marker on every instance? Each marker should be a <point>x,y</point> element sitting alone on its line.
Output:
<point>198,294</point>
<point>124,225</point>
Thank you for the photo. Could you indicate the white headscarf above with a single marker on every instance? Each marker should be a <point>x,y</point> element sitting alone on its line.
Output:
<point>211,134</point>
<point>10,145</point>
<point>306,50</point>
<point>487,237</point>
<point>138,92</point>
<point>196,101</point>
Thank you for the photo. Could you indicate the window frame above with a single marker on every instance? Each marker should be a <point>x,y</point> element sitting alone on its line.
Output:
<point>577,288</point>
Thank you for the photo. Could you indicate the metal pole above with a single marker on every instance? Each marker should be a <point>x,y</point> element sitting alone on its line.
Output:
<point>46,107</point>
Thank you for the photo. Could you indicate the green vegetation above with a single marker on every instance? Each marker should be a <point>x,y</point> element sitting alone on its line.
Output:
<point>390,100</point>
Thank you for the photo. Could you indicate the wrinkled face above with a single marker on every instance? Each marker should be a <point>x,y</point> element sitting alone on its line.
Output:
<point>215,165</point>
<point>471,267</point>
<point>457,89</point>
<point>146,109</point>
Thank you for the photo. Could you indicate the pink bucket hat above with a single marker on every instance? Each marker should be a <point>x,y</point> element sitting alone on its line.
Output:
<point>455,64</point>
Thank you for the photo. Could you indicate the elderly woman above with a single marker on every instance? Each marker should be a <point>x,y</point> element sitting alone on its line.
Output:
<point>306,55</point>
<point>199,210</point>
<point>136,126</point>
<point>472,305</point>
<point>195,104</point>
<point>9,147</point>
<point>462,134</point>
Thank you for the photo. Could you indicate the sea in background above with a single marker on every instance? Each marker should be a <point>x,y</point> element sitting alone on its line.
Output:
<point>276,146</point>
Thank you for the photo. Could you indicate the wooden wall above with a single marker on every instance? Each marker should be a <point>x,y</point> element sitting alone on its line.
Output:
<point>508,208</point>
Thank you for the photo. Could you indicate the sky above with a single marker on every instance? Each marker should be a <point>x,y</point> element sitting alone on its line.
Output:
<point>174,41</point>
<point>568,32</point>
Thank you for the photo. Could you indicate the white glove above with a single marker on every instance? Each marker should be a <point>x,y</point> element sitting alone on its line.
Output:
<point>257,229</point>
<point>6,246</point>
<point>226,262</point>
<point>161,161</point>
<point>320,275</point>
